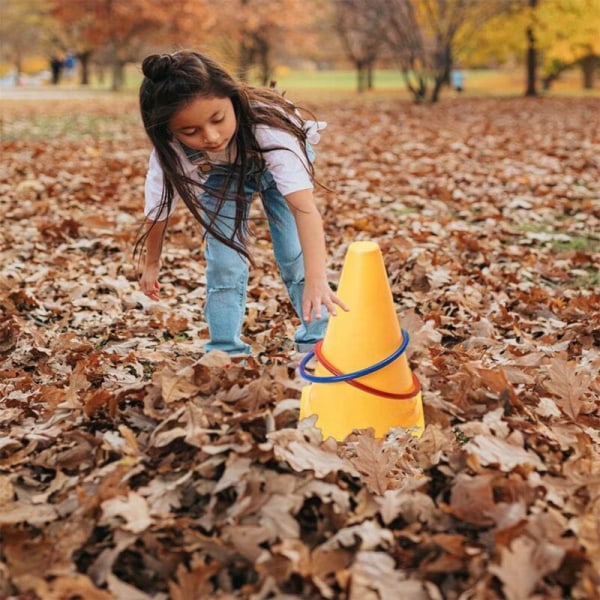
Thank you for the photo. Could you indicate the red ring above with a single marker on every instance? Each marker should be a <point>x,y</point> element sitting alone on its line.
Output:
<point>366,388</point>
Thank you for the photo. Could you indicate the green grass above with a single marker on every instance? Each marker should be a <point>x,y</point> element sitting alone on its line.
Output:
<point>343,82</point>
<point>338,80</point>
<point>557,240</point>
<point>577,242</point>
<point>590,280</point>
<point>323,82</point>
<point>584,276</point>
<point>70,126</point>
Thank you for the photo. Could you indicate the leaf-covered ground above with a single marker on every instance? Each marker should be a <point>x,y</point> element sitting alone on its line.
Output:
<point>135,466</point>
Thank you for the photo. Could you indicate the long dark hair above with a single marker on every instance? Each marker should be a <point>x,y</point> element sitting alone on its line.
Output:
<point>171,81</point>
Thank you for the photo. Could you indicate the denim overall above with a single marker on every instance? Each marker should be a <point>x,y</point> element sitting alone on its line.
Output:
<point>227,271</point>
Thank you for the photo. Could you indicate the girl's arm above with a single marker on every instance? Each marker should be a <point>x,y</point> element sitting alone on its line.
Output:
<point>317,292</point>
<point>149,279</point>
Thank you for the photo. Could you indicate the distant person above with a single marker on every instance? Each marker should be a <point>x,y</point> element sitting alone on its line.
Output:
<point>69,65</point>
<point>458,80</point>
<point>56,67</point>
<point>217,142</point>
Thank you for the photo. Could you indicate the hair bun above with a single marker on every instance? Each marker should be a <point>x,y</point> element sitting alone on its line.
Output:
<point>157,67</point>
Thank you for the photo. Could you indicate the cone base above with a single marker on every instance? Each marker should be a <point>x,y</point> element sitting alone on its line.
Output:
<point>340,411</point>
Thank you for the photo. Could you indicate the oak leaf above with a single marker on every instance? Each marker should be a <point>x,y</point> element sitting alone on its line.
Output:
<point>568,384</point>
<point>523,565</point>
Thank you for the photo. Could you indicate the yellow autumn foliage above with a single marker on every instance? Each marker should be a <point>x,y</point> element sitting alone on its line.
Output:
<point>565,31</point>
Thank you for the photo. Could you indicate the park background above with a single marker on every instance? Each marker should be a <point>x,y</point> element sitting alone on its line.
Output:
<point>310,43</point>
<point>134,466</point>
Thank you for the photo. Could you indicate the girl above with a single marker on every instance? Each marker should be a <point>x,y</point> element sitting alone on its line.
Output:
<point>217,142</point>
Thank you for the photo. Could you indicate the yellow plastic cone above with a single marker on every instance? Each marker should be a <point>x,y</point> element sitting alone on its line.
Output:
<point>356,340</point>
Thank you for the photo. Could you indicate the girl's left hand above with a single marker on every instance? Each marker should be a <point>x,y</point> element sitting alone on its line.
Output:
<point>317,294</point>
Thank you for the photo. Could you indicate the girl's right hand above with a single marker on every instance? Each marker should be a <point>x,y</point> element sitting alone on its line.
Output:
<point>149,281</point>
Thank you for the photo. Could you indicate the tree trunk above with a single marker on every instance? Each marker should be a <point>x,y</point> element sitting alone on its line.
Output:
<point>588,68</point>
<point>446,65</point>
<point>531,60</point>
<point>361,76</point>
<point>118,73</point>
<point>246,57</point>
<point>84,61</point>
<point>418,89</point>
<point>437,87</point>
<point>101,74</point>
<point>246,53</point>
<point>549,80</point>
<point>264,60</point>
<point>531,64</point>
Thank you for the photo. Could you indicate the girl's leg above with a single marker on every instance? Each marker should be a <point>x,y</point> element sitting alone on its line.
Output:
<point>226,285</point>
<point>288,254</point>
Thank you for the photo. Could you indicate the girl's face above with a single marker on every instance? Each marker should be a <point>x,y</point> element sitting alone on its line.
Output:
<point>206,123</point>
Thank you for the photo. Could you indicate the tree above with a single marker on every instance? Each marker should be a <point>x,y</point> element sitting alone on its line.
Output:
<point>559,34</point>
<point>257,30</point>
<point>425,35</point>
<point>24,25</point>
<point>514,31</point>
<point>358,25</point>
<point>572,37</point>
<point>77,32</point>
<point>117,31</point>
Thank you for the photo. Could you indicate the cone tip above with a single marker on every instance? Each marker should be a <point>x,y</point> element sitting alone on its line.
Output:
<point>363,247</point>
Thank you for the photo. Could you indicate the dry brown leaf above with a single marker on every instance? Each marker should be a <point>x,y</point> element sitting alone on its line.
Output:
<point>523,565</point>
<point>472,499</point>
<point>134,460</point>
<point>290,446</point>
<point>374,462</point>
<point>70,586</point>
<point>494,451</point>
<point>568,385</point>
<point>195,583</point>
<point>130,513</point>
<point>375,577</point>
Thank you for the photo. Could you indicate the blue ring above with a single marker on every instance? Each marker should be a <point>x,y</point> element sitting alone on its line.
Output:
<point>356,374</point>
